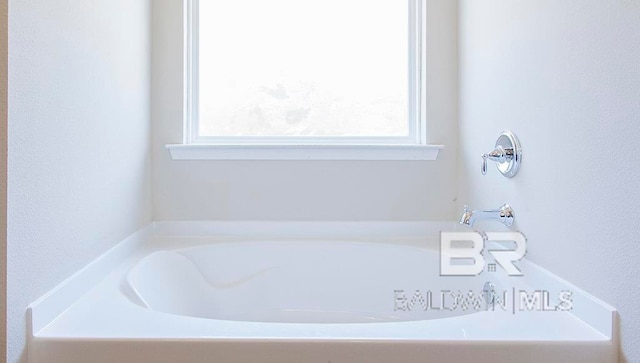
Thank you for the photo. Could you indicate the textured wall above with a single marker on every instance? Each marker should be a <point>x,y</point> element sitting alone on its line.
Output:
<point>565,76</point>
<point>79,166</point>
<point>245,190</point>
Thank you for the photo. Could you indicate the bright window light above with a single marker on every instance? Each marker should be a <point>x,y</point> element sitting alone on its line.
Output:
<point>297,71</point>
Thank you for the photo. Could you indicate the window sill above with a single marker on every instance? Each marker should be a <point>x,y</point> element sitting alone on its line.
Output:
<point>303,152</point>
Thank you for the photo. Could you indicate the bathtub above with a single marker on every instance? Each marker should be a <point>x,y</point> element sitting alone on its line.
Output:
<point>304,282</point>
<point>309,292</point>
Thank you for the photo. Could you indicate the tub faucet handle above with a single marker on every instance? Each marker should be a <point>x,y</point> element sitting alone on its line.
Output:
<point>507,154</point>
<point>484,167</point>
<point>499,155</point>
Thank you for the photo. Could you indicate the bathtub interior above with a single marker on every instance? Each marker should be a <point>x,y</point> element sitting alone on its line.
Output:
<point>295,282</point>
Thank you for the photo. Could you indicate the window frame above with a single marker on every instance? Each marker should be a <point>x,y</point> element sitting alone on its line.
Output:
<point>411,147</point>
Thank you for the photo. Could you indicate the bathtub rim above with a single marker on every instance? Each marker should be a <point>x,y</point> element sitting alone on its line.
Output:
<point>595,313</point>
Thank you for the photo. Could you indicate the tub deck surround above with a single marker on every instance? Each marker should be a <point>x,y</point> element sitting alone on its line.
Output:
<point>116,309</point>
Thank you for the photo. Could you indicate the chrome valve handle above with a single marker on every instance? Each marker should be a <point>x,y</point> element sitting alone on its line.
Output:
<point>507,154</point>
<point>499,155</point>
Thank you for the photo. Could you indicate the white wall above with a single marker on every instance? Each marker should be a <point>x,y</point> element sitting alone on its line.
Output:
<point>3,179</point>
<point>303,190</point>
<point>565,76</point>
<point>79,164</point>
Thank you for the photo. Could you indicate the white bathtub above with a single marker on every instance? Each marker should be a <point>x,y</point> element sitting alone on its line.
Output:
<point>337,282</point>
<point>363,292</point>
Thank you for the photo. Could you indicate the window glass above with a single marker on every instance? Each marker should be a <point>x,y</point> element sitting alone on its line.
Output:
<point>327,68</point>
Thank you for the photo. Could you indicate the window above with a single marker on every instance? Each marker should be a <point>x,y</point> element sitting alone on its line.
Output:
<point>305,74</point>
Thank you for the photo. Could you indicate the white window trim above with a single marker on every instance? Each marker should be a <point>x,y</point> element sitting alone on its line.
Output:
<point>413,147</point>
